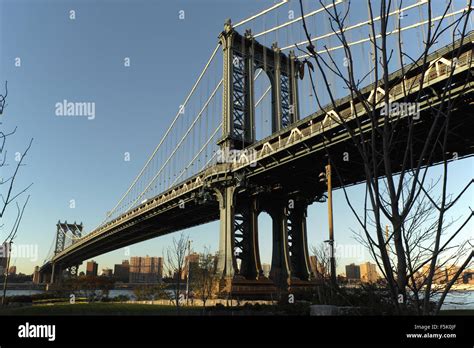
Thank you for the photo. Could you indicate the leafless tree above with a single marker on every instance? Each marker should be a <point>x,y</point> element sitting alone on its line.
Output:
<point>7,193</point>
<point>176,257</point>
<point>3,98</point>
<point>205,279</point>
<point>8,179</point>
<point>323,261</point>
<point>392,152</point>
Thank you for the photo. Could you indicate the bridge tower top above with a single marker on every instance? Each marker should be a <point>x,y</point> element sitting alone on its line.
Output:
<point>242,57</point>
<point>63,231</point>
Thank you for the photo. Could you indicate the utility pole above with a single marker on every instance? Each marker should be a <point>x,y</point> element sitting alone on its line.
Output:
<point>189,268</point>
<point>330,223</point>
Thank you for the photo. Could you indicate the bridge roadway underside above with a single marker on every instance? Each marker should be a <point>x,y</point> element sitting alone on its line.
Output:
<point>293,173</point>
<point>139,230</point>
<point>298,169</point>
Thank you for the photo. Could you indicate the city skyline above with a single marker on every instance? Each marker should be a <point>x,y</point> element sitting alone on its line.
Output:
<point>352,271</point>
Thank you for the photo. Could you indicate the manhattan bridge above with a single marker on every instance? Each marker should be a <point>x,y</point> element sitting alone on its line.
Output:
<point>249,138</point>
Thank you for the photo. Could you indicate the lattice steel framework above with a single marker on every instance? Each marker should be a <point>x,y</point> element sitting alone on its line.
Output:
<point>238,97</point>
<point>286,115</point>
<point>242,56</point>
<point>67,232</point>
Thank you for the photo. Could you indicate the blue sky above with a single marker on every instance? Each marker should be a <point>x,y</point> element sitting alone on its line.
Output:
<point>82,59</point>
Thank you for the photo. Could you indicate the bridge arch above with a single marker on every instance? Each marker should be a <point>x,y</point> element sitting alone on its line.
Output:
<point>265,241</point>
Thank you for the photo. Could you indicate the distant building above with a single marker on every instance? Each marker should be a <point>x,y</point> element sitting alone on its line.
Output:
<point>439,276</point>
<point>12,270</point>
<point>107,272</point>
<point>368,272</point>
<point>122,271</point>
<point>36,275</point>
<point>145,269</point>
<point>3,265</point>
<point>450,272</point>
<point>266,269</point>
<point>352,272</point>
<point>160,268</point>
<point>190,260</point>
<point>3,258</point>
<point>91,268</point>
<point>468,276</point>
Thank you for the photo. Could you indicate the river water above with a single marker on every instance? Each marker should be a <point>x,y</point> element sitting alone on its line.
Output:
<point>454,300</point>
<point>112,293</point>
<point>459,300</point>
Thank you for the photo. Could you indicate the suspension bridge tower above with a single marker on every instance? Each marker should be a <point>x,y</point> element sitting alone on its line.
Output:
<point>66,234</point>
<point>239,260</point>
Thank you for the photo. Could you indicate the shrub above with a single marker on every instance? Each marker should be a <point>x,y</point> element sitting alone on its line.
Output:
<point>121,298</point>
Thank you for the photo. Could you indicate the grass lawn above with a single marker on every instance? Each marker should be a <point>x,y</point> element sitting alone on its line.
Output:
<point>117,308</point>
<point>99,308</point>
<point>457,312</point>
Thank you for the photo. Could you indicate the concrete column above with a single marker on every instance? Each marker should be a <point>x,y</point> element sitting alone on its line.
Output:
<point>226,263</point>
<point>56,273</point>
<point>300,256</point>
<point>53,266</point>
<point>251,267</point>
<point>280,271</point>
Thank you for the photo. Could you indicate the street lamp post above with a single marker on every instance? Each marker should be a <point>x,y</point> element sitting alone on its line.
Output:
<point>189,268</point>
<point>327,178</point>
